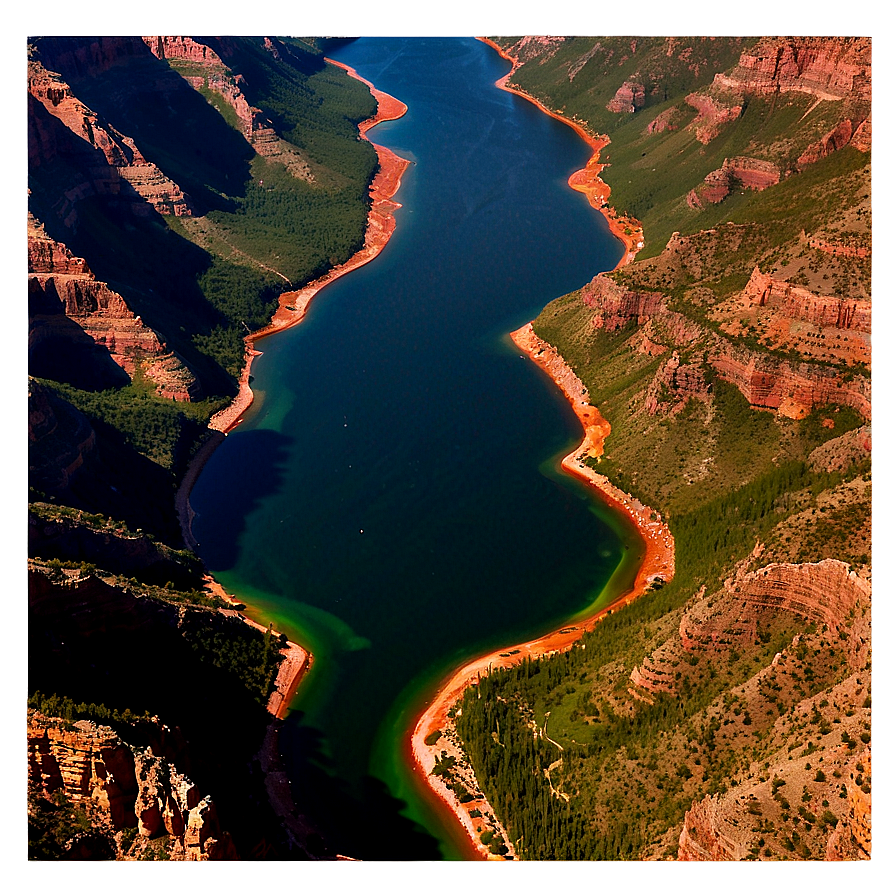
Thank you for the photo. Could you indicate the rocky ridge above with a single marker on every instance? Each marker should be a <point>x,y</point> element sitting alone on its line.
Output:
<point>68,305</point>
<point>62,125</point>
<point>131,795</point>
<point>791,388</point>
<point>208,70</point>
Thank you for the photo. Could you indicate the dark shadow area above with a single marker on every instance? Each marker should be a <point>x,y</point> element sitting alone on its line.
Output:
<point>172,124</point>
<point>250,470</point>
<point>59,349</point>
<point>362,820</point>
<point>134,653</point>
<point>99,474</point>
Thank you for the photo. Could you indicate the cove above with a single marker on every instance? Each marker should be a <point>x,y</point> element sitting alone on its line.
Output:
<point>392,499</point>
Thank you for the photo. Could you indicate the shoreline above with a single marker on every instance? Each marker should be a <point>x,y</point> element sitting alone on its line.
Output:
<point>659,557</point>
<point>293,306</point>
<point>586,180</point>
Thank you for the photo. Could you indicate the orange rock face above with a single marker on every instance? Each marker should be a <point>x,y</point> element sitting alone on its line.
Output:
<point>128,787</point>
<point>111,162</point>
<point>829,68</point>
<point>801,304</point>
<point>790,389</point>
<point>617,306</point>
<point>68,305</point>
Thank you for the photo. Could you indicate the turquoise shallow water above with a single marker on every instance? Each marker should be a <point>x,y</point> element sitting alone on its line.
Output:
<point>392,498</point>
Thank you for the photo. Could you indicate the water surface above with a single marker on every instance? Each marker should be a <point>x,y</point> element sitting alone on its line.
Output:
<point>392,498</point>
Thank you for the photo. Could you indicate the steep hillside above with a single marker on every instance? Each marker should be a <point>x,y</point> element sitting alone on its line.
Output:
<point>177,187</point>
<point>725,715</point>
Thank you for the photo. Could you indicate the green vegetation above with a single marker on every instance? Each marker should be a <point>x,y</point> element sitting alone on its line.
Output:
<point>65,708</point>
<point>163,431</point>
<point>55,825</point>
<point>626,763</point>
<point>243,652</point>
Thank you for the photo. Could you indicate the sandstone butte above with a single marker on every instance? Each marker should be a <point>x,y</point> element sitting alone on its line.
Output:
<point>659,558</point>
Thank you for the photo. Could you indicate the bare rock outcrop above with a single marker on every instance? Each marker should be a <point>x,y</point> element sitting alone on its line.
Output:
<point>59,124</point>
<point>709,834</point>
<point>798,303</point>
<point>617,306</point>
<point>713,113</point>
<point>828,68</point>
<point>124,787</point>
<point>665,121</point>
<point>826,593</point>
<point>674,385</point>
<point>67,304</point>
<point>628,98</point>
<point>791,389</point>
<point>737,173</point>
<point>837,138</point>
<point>851,839</point>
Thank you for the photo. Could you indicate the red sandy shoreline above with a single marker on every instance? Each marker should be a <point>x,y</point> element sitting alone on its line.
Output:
<point>586,180</point>
<point>293,306</point>
<point>659,559</point>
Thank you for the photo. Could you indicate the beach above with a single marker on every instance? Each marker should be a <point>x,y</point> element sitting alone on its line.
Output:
<point>659,558</point>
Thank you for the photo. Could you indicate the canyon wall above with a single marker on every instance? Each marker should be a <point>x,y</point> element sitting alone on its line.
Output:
<point>125,787</point>
<point>68,307</point>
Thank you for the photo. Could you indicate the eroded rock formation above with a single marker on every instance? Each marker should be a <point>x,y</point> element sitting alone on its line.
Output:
<point>629,97</point>
<point>827,68</point>
<point>712,115</point>
<point>791,389</point>
<point>736,173</point>
<point>674,385</point>
<point>617,306</point>
<point>69,306</point>
<point>60,125</point>
<point>124,787</point>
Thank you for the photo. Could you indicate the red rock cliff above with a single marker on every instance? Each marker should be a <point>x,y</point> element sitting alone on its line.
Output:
<point>63,292</point>
<point>125,786</point>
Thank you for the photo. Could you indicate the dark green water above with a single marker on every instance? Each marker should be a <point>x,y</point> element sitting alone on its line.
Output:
<point>392,499</point>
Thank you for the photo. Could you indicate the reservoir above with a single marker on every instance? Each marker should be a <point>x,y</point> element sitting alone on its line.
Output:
<point>392,500</point>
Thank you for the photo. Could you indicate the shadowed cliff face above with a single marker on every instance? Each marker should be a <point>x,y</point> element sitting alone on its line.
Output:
<point>95,642</point>
<point>77,325</point>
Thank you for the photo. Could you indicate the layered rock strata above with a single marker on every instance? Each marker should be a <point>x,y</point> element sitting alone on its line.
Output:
<point>110,162</point>
<point>126,787</point>
<point>67,304</point>
<point>790,388</point>
<point>736,173</point>
<point>827,68</point>
<point>827,593</point>
<point>674,384</point>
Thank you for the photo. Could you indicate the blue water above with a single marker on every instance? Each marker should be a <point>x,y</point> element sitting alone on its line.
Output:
<point>392,498</point>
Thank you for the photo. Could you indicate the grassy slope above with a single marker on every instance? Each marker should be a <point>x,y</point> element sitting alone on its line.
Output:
<point>202,281</point>
<point>724,475</point>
